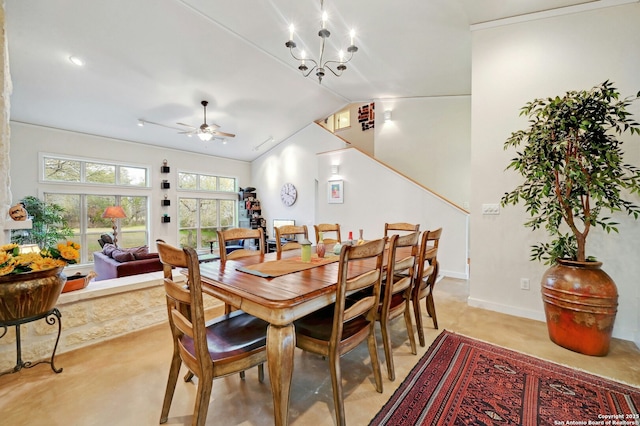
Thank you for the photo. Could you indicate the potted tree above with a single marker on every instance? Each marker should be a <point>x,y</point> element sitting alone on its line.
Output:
<point>573,169</point>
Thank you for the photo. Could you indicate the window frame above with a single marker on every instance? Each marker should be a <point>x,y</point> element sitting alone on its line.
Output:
<point>85,189</point>
<point>208,195</point>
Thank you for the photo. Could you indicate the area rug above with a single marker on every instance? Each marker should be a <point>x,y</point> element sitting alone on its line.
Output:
<point>462,381</point>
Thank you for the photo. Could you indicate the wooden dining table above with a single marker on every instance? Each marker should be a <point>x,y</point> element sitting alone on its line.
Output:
<point>279,301</point>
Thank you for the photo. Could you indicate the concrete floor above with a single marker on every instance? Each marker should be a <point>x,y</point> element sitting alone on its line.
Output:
<point>122,382</point>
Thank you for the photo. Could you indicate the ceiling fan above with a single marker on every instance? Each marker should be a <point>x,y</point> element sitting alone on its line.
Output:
<point>206,132</point>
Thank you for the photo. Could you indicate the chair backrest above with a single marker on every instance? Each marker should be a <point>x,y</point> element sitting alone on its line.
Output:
<point>240,234</point>
<point>427,262</point>
<point>332,228</point>
<point>395,281</point>
<point>185,306</point>
<point>288,231</point>
<point>400,226</point>
<point>351,284</point>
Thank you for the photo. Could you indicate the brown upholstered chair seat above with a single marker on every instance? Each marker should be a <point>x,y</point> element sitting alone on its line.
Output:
<point>319,325</point>
<point>232,335</point>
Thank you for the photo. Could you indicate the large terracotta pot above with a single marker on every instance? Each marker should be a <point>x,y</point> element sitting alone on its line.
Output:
<point>30,294</point>
<point>580,303</point>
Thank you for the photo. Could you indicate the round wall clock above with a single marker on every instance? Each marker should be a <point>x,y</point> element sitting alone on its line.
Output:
<point>288,194</point>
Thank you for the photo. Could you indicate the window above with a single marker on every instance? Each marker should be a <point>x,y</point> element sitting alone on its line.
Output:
<point>200,218</point>
<point>342,120</point>
<point>58,169</point>
<point>96,185</point>
<point>84,215</point>
<point>200,182</point>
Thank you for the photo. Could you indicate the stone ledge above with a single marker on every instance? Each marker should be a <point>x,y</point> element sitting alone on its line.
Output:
<point>103,288</point>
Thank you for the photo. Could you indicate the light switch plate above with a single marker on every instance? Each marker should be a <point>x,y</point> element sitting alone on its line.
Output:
<point>491,209</point>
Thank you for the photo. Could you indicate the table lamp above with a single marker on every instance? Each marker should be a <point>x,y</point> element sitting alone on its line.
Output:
<point>113,213</point>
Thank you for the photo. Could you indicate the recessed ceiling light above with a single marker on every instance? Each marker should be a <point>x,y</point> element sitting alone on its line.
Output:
<point>140,122</point>
<point>76,61</point>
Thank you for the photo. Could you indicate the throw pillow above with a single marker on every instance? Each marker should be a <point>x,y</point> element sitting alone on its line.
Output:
<point>122,255</point>
<point>108,249</point>
<point>138,251</point>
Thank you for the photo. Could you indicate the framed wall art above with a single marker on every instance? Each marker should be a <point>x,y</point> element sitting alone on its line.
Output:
<point>336,192</point>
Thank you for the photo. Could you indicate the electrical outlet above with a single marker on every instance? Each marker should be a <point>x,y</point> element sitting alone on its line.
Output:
<point>491,209</point>
<point>524,283</point>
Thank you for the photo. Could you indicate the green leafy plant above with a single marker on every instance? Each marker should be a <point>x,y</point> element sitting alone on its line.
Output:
<point>49,224</point>
<point>573,169</point>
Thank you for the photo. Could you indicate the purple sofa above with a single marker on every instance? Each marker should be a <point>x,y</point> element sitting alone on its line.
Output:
<point>108,268</point>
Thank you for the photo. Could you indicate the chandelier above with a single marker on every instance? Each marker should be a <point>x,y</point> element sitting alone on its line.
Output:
<point>321,65</point>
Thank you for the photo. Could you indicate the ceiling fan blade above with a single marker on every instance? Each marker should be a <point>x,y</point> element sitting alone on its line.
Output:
<point>185,125</point>
<point>224,134</point>
<point>188,132</point>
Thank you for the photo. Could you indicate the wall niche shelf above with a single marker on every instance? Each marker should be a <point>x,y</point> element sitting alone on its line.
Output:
<point>165,184</point>
<point>166,219</point>
<point>165,168</point>
<point>165,203</point>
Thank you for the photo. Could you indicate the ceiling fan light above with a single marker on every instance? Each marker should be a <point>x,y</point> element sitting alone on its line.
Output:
<point>205,137</point>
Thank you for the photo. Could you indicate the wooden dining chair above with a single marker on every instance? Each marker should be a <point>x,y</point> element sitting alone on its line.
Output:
<point>400,226</point>
<point>341,327</point>
<point>225,345</point>
<point>425,279</point>
<point>334,233</point>
<point>396,293</point>
<point>289,231</point>
<point>239,235</point>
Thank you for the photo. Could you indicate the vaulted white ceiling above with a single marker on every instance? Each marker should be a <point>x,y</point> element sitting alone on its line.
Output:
<point>157,59</point>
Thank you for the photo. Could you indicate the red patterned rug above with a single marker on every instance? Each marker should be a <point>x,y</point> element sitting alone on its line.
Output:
<point>462,381</point>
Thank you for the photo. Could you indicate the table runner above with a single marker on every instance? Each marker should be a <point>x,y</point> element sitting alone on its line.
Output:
<point>276,268</point>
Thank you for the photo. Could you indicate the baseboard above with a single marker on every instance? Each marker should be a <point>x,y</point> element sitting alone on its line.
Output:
<point>618,332</point>
<point>506,309</point>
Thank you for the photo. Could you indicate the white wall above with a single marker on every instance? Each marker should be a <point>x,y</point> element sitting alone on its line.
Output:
<point>429,140</point>
<point>28,140</point>
<point>293,161</point>
<point>514,64</point>
<point>374,194</point>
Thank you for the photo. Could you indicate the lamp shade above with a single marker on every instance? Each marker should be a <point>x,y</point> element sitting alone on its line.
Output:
<point>114,212</point>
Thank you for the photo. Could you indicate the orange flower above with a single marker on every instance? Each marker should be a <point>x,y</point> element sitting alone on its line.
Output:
<point>7,269</point>
<point>68,252</point>
<point>47,263</point>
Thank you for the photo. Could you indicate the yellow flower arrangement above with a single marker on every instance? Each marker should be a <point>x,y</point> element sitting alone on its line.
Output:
<point>13,262</point>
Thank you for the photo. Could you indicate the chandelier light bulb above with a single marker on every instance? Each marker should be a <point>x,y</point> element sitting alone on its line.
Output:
<point>341,55</point>
<point>291,29</point>
<point>324,19</point>
<point>353,35</point>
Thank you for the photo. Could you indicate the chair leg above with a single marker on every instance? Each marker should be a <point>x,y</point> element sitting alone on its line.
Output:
<point>375,362</point>
<point>227,309</point>
<point>431,309</point>
<point>242,375</point>
<point>336,383</point>
<point>202,400</point>
<point>409,324</point>
<point>261,373</point>
<point>174,371</point>
<point>386,343</point>
<point>416,313</point>
<point>188,376</point>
